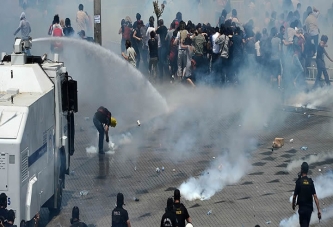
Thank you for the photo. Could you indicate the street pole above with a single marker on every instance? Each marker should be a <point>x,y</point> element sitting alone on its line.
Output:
<point>97,22</point>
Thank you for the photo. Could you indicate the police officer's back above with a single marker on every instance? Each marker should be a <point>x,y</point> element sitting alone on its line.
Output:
<point>169,218</point>
<point>3,206</point>
<point>75,220</point>
<point>305,192</point>
<point>119,214</point>
<point>180,209</point>
<point>10,219</point>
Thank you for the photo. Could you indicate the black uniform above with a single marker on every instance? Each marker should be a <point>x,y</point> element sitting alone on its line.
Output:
<point>3,213</point>
<point>169,219</point>
<point>181,214</point>
<point>304,190</point>
<point>119,217</point>
<point>78,224</point>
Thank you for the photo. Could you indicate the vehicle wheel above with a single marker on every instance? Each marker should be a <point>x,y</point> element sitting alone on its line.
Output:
<point>56,211</point>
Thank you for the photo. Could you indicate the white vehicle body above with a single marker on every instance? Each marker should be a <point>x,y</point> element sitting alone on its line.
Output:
<point>36,132</point>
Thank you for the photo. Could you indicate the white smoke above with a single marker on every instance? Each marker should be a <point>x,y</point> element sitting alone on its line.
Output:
<point>214,179</point>
<point>112,145</point>
<point>316,98</point>
<point>230,118</point>
<point>293,221</point>
<point>310,160</point>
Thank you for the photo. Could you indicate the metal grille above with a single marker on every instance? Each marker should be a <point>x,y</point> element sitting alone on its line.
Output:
<point>24,165</point>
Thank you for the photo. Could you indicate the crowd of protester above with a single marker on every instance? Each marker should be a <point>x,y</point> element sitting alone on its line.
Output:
<point>279,49</point>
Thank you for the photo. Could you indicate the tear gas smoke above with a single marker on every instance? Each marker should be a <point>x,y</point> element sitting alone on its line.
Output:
<point>214,179</point>
<point>227,119</point>
<point>310,160</point>
<point>293,221</point>
<point>115,142</point>
<point>323,186</point>
<point>315,99</point>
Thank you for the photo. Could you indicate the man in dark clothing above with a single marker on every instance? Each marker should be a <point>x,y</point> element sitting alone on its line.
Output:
<point>153,54</point>
<point>10,219</point>
<point>102,121</point>
<point>138,18</point>
<point>169,218</point>
<point>119,214</point>
<point>75,220</point>
<point>3,206</point>
<point>180,209</point>
<point>304,191</point>
<point>162,31</point>
<point>320,60</point>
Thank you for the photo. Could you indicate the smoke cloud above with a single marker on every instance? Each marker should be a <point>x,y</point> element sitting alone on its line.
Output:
<point>214,179</point>
<point>293,221</point>
<point>314,99</point>
<point>228,121</point>
<point>310,160</point>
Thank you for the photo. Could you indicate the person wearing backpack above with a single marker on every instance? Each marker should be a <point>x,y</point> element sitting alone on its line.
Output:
<point>181,211</point>
<point>75,220</point>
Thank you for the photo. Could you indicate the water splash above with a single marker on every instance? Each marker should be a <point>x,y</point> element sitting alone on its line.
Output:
<point>104,78</point>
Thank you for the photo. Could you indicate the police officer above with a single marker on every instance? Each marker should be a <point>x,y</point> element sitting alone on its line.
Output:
<point>102,121</point>
<point>169,218</point>
<point>119,214</point>
<point>304,191</point>
<point>75,220</point>
<point>3,206</point>
<point>10,219</point>
<point>180,209</point>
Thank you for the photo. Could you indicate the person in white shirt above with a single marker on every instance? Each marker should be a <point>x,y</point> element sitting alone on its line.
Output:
<point>215,51</point>
<point>182,55</point>
<point>130,54</point>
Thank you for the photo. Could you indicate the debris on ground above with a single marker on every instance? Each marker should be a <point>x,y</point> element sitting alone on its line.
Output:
<point>278,143</point>
<point>304,148</point>
<point>291,140</point>
<point>84,192</point>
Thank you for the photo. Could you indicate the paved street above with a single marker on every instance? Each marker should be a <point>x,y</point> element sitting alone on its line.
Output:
<point>262,195</point>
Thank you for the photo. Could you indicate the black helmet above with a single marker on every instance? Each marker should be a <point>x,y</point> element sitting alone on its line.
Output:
<point>3,200</point>
<point>305,167</point>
